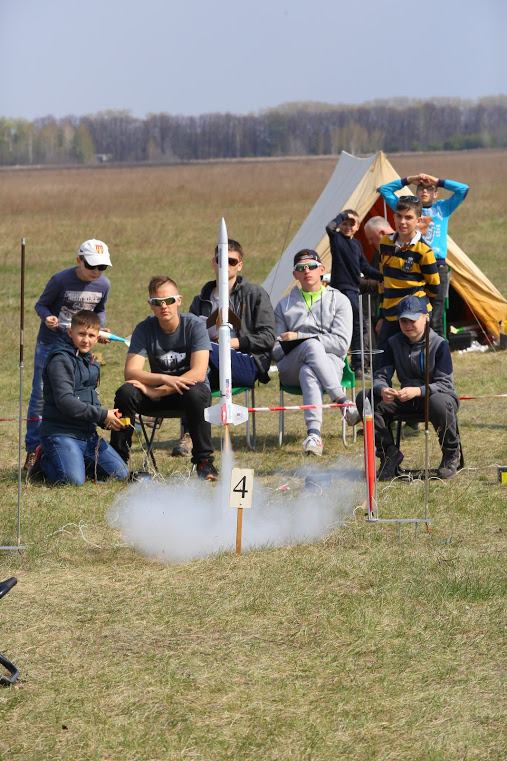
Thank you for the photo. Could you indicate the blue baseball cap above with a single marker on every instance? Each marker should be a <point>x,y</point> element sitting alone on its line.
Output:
<point>412,307</point>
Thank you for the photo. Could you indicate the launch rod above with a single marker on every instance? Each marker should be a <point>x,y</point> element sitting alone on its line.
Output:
<point>21,371</point>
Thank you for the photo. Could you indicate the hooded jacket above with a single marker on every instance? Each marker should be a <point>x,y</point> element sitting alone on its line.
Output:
<point>329,320</point>
<point>407,359</point>
<point>71,403</point>
<point>251,304</point>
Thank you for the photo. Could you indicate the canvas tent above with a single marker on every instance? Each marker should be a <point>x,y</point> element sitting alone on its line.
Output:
<point>473,299</point>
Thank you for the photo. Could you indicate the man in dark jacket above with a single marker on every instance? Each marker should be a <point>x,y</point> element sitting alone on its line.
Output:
<point>253,334</point>
<point>348,267</point>
<point>405,355</point>
<point>70,447</point>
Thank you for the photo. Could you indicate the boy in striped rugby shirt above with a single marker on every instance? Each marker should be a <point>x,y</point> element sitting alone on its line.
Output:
<point>408,266</point>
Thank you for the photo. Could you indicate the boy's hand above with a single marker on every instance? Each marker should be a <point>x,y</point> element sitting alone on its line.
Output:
<point>104,339</point>
<point>388,394</point>
<point>428,179</point>
<point>175,383</point>
<point>289,335</point>
<point>51,322</point>
<point>112,422</point>
<point>408,393</point>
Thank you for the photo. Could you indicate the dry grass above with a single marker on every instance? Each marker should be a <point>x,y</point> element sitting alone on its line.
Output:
<point>367,645</point>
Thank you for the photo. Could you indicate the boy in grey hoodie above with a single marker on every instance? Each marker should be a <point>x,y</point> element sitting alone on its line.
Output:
<point>314,330</point>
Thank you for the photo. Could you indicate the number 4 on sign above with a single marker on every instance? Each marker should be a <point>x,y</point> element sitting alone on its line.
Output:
<point>241,488</point>
<point>241,497</point>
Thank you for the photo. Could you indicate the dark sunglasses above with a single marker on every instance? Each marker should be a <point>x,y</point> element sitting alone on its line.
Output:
<point>169,300</point>
<point>100,267</point>
<point>306,266</point>
<point>232,262</point>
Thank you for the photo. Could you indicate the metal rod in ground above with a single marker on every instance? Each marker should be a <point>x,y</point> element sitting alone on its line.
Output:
<point>21,372</point>
<point>426,416</point>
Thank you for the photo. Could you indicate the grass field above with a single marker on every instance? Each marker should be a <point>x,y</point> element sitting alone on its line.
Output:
<point>372,643</point>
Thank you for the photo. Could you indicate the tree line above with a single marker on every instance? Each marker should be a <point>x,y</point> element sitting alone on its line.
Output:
<point>297,129</point>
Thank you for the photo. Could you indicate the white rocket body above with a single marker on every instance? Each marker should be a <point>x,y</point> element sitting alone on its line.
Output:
<point>224,412</point>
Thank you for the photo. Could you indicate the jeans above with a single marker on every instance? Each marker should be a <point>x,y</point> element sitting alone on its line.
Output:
<point>34,415</point>
<point>389,328</point>
<point>243,368</point>
<point>66,460</point>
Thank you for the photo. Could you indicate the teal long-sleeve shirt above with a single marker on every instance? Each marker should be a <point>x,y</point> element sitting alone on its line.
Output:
<point>439,213</point>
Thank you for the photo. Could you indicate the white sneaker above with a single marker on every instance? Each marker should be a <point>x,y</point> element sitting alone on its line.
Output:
<point>352,415</point>
<point>313,445</point>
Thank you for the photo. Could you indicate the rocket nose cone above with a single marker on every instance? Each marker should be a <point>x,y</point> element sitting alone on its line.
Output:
<point>222,233</point>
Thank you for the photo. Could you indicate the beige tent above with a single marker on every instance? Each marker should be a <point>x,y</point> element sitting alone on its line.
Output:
<point>473,299</point>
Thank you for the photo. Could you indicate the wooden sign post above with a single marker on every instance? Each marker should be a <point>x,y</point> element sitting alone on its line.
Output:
<point>240,497</point>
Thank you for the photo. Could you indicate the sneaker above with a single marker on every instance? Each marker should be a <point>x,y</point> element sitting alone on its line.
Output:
<point>352,415</point>
<point>389,464</point>
<point>206,470</point>
<point>184,447</point>
<point>313,445</point>
<point>35,470</point>
<point>29,461</point>
<point>449,465</point>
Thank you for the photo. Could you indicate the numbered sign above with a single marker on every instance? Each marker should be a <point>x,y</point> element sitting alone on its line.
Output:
<point>241,487</point>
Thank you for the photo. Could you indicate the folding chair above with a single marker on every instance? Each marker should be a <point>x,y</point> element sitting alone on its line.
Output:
<point>149,436</point>
<point>12,670</point>
<point>348,382</point>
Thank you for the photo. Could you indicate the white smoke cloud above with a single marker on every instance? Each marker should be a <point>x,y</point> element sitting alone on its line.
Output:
<point>183,519</point>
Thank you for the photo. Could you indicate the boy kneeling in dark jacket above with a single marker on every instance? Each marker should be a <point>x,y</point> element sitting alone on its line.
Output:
<point>70,447</point>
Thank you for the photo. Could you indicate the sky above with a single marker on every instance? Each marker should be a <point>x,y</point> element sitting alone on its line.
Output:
<point>191,57</point>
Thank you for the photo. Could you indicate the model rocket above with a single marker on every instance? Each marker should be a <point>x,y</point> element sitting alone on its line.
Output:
<point>224,412</point>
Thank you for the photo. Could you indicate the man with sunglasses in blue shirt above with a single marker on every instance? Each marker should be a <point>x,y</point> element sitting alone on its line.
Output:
<point>177,348</point>
<point>67,292</point>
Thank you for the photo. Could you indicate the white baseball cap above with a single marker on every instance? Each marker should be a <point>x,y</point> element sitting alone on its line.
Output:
<point>95,252</point>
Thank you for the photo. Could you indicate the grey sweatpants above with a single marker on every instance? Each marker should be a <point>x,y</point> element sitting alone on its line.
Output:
<point>309,367</point>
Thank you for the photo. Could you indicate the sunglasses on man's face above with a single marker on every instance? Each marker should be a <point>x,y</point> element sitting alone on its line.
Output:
<point>169,300</point>
<point>232,262</point>
<point>100,267</point>
<point>306,266</point>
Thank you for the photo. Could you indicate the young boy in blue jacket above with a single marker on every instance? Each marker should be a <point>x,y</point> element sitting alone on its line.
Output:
<point>435,219</point>
<point>70,447</point>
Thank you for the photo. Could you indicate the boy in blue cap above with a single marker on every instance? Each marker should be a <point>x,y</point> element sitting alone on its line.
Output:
<point>405,355</point>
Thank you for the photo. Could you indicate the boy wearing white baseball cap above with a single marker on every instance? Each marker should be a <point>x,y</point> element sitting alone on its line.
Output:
<point>84,286</point>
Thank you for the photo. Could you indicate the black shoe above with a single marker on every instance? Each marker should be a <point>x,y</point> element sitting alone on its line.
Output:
<point>206,470</point>
<point>389,464</point>
<point>449,465</point>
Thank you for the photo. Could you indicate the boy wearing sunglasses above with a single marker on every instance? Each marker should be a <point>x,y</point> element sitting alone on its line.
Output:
<point>177,347</point>
<point>314,330</point>
<point>84,286</point>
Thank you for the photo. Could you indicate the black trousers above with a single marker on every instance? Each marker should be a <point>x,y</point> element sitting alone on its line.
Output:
<point>355,344</point>
<point>438,303</point>
<point>443,410</point>
<point>191,403</point>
